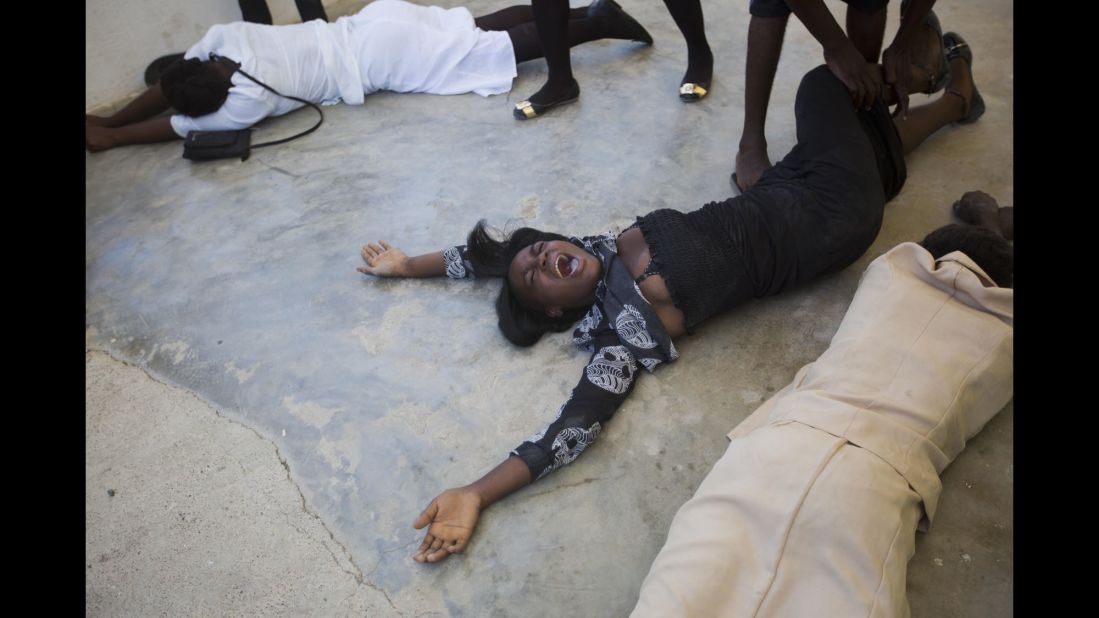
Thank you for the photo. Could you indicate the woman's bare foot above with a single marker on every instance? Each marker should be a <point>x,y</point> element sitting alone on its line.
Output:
<point>751,163</point>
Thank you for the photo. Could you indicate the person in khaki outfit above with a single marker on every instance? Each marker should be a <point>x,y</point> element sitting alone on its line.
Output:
<point>813,509</point>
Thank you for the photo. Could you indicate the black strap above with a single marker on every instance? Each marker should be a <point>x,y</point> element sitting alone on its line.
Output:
<point>236,67</point>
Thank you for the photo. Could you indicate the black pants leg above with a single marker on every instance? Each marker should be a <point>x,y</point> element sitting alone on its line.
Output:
<point>256,11</point>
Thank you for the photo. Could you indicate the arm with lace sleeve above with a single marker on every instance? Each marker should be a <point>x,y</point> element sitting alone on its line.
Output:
<point>607,381</point>
<point>383,260</point>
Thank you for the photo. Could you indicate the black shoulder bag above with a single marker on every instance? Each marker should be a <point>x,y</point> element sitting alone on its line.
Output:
<point>210,145</point>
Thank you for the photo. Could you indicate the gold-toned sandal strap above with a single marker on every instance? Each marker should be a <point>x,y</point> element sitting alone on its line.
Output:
<point>526,108</point>
<point>695,89</point>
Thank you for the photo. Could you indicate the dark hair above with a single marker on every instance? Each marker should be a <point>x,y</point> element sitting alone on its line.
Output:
<point>994,254</point>
<point>194,88</point>
<point>490,257</point>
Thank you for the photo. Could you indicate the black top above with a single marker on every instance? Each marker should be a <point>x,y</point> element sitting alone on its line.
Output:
<point>621,330</point>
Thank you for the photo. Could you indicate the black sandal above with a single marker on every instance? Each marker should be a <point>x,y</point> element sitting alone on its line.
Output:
<point>956,47</point>
<point>612,12</point>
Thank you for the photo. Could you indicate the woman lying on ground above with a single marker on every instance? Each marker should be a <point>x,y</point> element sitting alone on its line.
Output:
<point>388,45</point>
<point>813,213</point>
<point>814,507</point>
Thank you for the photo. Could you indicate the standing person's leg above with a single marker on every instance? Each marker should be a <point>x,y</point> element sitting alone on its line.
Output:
<point>766,29</point>
<point>700,60</point>
<point>551,17</point>
<point>866,27</point>
<point>255,11</point>
<point>310,10</point>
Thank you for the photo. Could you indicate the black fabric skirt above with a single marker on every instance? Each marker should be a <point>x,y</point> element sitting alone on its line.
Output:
<point>815,212</point>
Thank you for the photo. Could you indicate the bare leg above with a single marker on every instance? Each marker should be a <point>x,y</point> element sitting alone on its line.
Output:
<point>765,36</point>
<point>866,31</point>
<point>924,120</point>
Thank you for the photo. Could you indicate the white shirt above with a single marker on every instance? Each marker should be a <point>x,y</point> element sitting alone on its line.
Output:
<point>290,59</point>
<point>388,45</point>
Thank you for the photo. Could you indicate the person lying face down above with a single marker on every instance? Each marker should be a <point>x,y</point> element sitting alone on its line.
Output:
<point>814,507</point>
<point>813,213</point>
<point>388,45</point>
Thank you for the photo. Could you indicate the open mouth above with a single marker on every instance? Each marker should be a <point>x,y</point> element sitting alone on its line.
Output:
<point>565,265</point>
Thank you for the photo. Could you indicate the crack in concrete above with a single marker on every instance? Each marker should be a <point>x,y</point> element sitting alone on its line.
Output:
<point>278,169</point>
<point>576,484</point>
<point>389,551</point>
<point>358,574</point>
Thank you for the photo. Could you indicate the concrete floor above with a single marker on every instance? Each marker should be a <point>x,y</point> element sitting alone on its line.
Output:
<point>264,423</point>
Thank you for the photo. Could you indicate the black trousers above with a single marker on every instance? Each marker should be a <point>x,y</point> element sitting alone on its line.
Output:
<point>256,11</point>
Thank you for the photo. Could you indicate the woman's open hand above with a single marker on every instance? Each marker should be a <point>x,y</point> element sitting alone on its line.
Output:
<point>383,261</point>
<point>453,516</point>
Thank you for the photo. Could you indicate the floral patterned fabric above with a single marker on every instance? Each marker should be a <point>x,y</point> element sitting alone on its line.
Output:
<point>623,333</point>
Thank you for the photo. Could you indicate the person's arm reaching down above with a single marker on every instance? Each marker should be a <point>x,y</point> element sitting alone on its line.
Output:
<point>897,59</point>
<point>840,54</point>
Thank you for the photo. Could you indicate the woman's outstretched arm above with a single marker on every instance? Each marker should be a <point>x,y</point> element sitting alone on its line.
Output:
<point>133,124</point>
<point>148,104</point>
<point>382,260</point>
<point>453,514</point>
<point>608,379</point>
<point>98,138</point>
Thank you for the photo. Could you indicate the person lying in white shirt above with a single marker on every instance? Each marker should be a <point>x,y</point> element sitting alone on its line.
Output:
<point>388,45</point>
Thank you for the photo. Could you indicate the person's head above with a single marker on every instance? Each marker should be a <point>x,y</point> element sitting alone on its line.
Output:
<point>549,283</point>
<point>195,87</point>
<point>989,250</point>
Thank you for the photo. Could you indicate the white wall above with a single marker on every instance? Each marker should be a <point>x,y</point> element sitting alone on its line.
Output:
<point>124,36</point>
